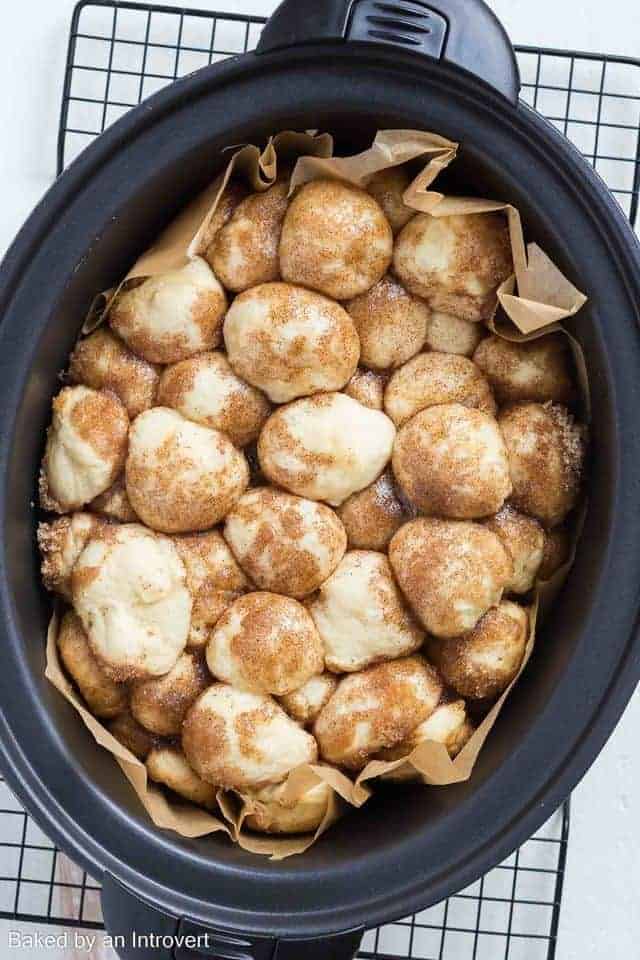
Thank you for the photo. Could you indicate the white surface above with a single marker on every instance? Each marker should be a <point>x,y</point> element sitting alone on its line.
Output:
<point>600,918</point>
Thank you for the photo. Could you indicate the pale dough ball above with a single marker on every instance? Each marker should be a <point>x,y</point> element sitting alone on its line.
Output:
<point>455,263</point>
<point>285,544</point>
<point>104,698</point>
<point>129,590</point>
<point>481,664</point>
<point>275,812</point>
<point>451,572</point>
<point>265,643</point>
<point>451,461</point>
<point>290,342</point>
<point>160,704</point>
<point>374,515</point>
<point>61,542</point>
<point>325,447</point>
<point>235,739</point>
<point>361,615</point>
<point>171,316</point>
<point>244,252</point>
<point>546,449</point>
<point>131,735</point>
<point>214,581</point>
<point>305,703</point>
<point>449,334</point>
<point>367,387</point>
<point>233,194</point>
<point>86,448</point>
<point>206,390</point>
<point>375,709</point>
<point>335,239</point>
<point>388,188</point>
<point>114,504</point>
<point>433,379</point>
<point>523,538</point>
<point>532,372</point>
<point>181,477</point>
<point>391,324</point>
<point>103,362</point>
<point>448,725</point>
<point>168,765</point>
<point>557,552</point>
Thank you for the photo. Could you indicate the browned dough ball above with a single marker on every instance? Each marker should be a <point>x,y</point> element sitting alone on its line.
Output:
<point>168,765</point>
<point>448,725</point>
<point>455,263</point>
<point>131,735</point>
<point>374,515</point>
<point>557,552</point>
<point>375,709</point>
<point>391,324</point>
<point>244,252</point>
<point>449,334</point>
<point>523,539</point>
<point>546,449</point>
<point>451,461</point>
<point>335,239</point>
<point>233,194</point>
<point>367,387</point>
<point>114,504</point>
<point>61,542</point>
<point>103,362</point>
<point>206,390</point>
<point>432,379</point>
<point>275,811</point>
<point>532,372</point>
<point>161,704</point>
<point>104,698</point>
<point>388,188</point>
<point>305,703</point>
<point>265,643</point>
<point>451,572</point>
<point>481,664</point>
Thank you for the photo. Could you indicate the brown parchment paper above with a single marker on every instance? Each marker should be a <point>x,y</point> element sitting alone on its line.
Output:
<point>532,303</point>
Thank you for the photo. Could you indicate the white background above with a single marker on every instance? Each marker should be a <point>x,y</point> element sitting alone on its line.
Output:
<point>600,914</point>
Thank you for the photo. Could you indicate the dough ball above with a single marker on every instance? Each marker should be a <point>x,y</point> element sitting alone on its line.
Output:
<point>285,544</point>
<point>171,316</point>
<point>557,551</point>
<point>451,572</point>
<point>361,615</point>
<point>214,581</point>
<point>448,725</point>
<point>455,263</point>
<point>104,698</point>
<point>265,643</point>
<point>206,390</point>
<point>451,461</point>
<point>532,372</point>
<point>433,379</point>
<point>161,704</point>
<point>374,515</point>
<point>367,387</point>
<point>232,195</point>
<point>449,334</point>
<point>388,188</point>
<point>325,447</point>
<point>546,449</point>
<point>482,663</point>
<point>237,739</point>
<point>181,477</point>
<point>103,362</point>
<point>335,239</point>
<point>114,504</point>
<point>391,324</point>
<point>305,703</point>
<point>129,590</point>
<point>86,447</point>
<point>290,342</point>
<point>375,709</point>
<point>168,765</point>
<point>131,735</point>
<point>244,252</point>
<point>275,812</point>
<point>61,542</point>
<point>523,538</point>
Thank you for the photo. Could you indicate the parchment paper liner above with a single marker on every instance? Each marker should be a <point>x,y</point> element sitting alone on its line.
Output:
<point>545,297</point>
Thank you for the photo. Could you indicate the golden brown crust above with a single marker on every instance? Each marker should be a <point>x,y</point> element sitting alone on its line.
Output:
<point>168,765</point>
<point>104,698</point>
<point>114,504</point>
<point>233,194</point>
<point>131,735</point>
<point>391,324</point>
<point>61,542</point>
<point>103,362</point>
<point>523,538</point>
<point>557,552</point>
<point>431,379</point>
<point>367,387</point>
<point>161,704</point>
<point>373,516</point>
<point>388,188</point>
<point>533,372</point>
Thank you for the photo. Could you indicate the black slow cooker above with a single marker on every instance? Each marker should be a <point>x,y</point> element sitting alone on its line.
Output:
<point>350,67</point>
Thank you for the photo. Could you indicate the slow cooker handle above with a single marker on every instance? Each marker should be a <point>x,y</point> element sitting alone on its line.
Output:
<point>464,32</point>
<point>141,931</point>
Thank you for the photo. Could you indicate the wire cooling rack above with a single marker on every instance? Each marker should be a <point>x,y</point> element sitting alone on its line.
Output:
<point>120,53</point>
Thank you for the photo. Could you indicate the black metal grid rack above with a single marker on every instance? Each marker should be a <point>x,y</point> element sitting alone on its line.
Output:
<point>120,53</point>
